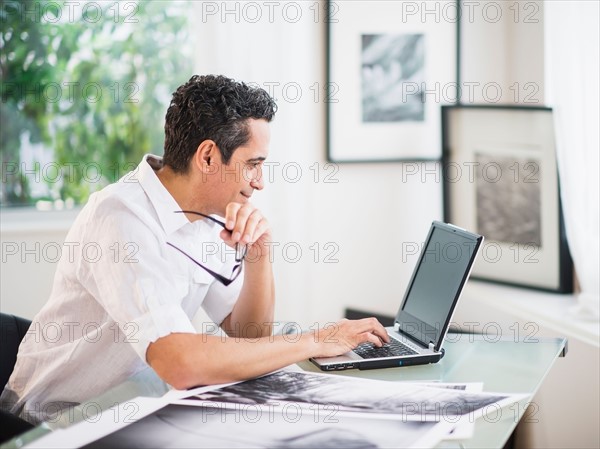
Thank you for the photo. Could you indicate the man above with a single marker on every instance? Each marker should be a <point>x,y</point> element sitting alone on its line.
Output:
<point>124,298</point>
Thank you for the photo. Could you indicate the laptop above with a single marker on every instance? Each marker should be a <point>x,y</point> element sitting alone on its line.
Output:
<point>422,322</point>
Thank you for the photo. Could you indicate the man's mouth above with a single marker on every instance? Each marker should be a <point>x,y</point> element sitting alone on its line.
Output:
<point>246,195</point>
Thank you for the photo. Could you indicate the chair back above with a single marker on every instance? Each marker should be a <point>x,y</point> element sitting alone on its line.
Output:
<point>12,331</point>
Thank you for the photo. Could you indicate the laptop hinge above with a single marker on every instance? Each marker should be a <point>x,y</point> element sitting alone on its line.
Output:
<point>397,326</point>
<point>431,346</point>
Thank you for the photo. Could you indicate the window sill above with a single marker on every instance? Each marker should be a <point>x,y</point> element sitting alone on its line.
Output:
<point>29,219</point>
<point>549,310</point>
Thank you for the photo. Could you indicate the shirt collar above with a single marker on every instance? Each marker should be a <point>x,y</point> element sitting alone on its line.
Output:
<point>163,202</point>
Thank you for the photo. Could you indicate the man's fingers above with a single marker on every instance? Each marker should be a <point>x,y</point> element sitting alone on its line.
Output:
<point>373,326</point>
<point>226,236</point>
<point>347,334</point>
<point>236,215</point>
<point>379,330</point>
<point>372,330</point>
<point>382,333</point>
<point>249,232</point>
<point>241,221</point>
<point>231,212</point>
<point>245,222</point>
<point>241,218</point>
<point>372,338</point>
<point>261,229</point>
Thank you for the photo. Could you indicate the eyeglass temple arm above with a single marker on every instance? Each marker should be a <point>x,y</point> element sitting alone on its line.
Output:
<point>237,251</point>
<point>202,215</point>
<point>221,278</point>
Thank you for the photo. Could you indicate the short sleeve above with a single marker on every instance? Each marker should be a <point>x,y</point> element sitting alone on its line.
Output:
<point>130,277</point>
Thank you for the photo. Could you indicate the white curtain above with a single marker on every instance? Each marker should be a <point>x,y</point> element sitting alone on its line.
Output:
<point>572,82</point>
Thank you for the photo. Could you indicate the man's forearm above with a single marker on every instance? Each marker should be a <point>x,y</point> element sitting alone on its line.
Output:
<point>252,315</point>
<point>188,360</point>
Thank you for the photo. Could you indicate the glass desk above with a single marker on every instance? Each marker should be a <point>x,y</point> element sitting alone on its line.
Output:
<point>502,366</point>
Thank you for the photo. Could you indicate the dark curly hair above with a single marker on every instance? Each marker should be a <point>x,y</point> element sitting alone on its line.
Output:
<point>216,108</point>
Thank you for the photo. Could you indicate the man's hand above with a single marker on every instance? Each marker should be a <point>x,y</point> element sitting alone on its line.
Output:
<point>345,335</point>
<point>245,224</point>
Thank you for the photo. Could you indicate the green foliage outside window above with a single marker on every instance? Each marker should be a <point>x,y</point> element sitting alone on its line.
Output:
<point>88,87</point>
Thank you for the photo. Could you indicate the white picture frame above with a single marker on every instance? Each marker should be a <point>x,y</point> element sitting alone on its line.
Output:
<point>390,68</point>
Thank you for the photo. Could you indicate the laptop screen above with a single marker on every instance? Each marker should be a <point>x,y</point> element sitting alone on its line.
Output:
<point>435,287</point>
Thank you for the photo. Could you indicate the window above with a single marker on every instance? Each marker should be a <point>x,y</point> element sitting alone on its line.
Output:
<point>84,92</point>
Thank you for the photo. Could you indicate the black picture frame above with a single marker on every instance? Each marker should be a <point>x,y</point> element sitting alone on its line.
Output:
<point>521,215</point>
<point>414,136</point>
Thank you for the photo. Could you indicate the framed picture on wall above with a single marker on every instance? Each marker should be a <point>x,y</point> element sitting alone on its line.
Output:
<point>501,181</point>
<point>390,68</point>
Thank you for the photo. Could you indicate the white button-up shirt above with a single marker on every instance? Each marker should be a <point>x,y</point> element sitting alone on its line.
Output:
<point>118,287</point>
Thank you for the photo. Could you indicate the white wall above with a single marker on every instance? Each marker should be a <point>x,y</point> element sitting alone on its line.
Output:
<point>502,53</point>
<point>31,243</point>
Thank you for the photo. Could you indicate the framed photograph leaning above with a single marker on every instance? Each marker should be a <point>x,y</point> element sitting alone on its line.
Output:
<point>391,64</point>
<point>501,180</point>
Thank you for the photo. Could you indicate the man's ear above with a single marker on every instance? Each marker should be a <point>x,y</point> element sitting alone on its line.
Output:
<point>205,157</point>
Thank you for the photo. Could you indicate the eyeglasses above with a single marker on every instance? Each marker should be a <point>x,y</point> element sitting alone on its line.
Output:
<point>240,253</point>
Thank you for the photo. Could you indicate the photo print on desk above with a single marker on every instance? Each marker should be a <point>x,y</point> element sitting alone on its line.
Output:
<point>403,400</point>
<point>177,426</point>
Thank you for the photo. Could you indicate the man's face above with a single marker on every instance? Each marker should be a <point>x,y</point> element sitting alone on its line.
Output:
<point>237,181</point>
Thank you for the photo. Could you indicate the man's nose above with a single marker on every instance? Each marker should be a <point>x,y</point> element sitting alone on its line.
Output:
<point>257,183</point>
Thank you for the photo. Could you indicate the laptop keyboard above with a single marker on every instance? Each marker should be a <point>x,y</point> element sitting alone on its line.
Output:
<point>392,349</point>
